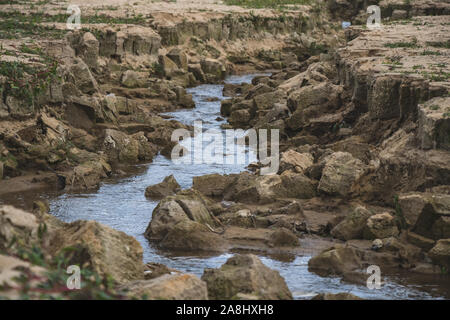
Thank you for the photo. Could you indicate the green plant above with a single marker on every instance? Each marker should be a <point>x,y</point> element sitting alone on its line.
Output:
<point>444,270</point>
<point>402,44</point>
<point>27,82</point>
<point>14,25</point>
<point>430,53</point>
<point>158,69</point>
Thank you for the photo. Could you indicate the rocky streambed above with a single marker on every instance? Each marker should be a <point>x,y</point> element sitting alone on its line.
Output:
<point>122,205</point>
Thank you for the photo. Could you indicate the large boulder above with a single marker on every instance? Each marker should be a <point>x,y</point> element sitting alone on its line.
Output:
<point>441,228</point>
<point>267,101</point>
<point>426,214</point>
<point>296,161</point>
<point>243,189</point>
<point>336,260</point>
<point>434,125</point>
<point>311,101</point>
<point>179,57</point>
<point>184,222</point>
<point>380,226</point>
<point>120,105</point>
<point>383,98</point>
<point>196,70</point>
<point>245,274</point>
<point>313,95</point>
<point>87,175</point>
<point>297,185</point>
<point>213,69</point>
<point>264,189</point>
<point>104,250</point>
<point>225,107</point>
<point>169,67</point>
<point>440,253</point>
<point>268,188</point>
<point>89,49</point>
<point>191,236</point>
<point>283,237</point>
<point>86,47</point>
<point>257,90</point>
<point>123,148</point>
<point>80,75</point>
<point>168,287</point>
<point>340,173</point>
<point>127,41</point>
<point>240,118</point>
<point>353,224</point>
<point>167,187</point>
<point>212,184</point>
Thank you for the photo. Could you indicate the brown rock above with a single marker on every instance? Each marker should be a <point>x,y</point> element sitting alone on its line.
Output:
<point>353,224</point>
<point>105,250</point>
<point>213,69</point>
<point>154,270</point>
<point>336,260</point>
<point>295,161</point>
<point>168,287</point>
<point>245,274</point>
<point>336,296</point>
<point>434,125</point>
<point>179,57</point>
<point>213,184</point>
<point>283,237</point>
<point>440,253</point>
<point>340,173</point>
<point>420,241</point>
<point>183,222</point>
<point>167,187</point>
<point>380,226</point>
<point>296,185</point>
<point>426,214</point>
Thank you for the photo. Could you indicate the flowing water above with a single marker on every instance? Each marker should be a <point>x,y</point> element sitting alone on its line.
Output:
<point>121,204</point>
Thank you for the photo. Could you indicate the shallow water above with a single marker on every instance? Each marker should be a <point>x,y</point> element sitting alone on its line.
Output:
<point>121,204</point>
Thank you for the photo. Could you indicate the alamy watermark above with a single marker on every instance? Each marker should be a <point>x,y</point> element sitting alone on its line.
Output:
<point>74,20</point>
<point>228,147</point>
<point>74,281</point>
<point>374,20</point>
<point>374,280</point>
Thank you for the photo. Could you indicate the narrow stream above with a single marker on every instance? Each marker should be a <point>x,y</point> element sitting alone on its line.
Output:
<point>122,205</point>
